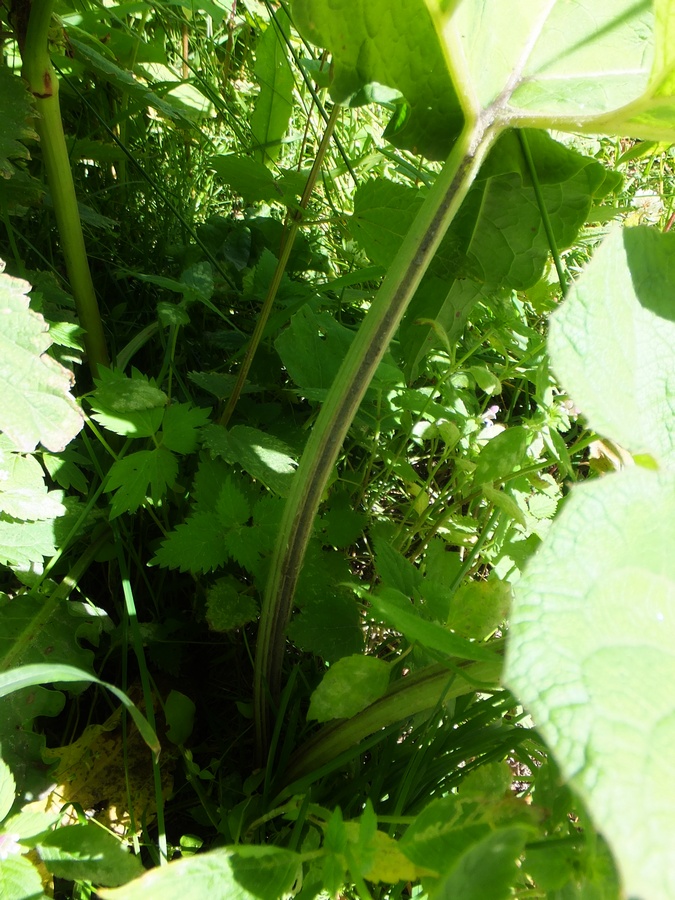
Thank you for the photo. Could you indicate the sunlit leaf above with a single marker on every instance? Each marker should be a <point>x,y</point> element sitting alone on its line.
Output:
<point>351,684</point>
<point>37,406</point>
<point>590,655</point>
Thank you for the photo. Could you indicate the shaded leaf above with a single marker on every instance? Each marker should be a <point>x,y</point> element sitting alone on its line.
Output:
<point>264,456</point>
<point>180,427</point>
<point>15,112</point>
<point>502,455</point>
<point>227,608</point>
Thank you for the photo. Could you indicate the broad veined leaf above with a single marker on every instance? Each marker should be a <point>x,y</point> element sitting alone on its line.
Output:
<point>36,630</point>
<point>549,60</point>
<point>611,342</point>
<point>247,872</point>
<point>351,684</point>
<point>180,427</point>
<point>486,871</point>
<point>498,238</point>
<point>312,348</point>
<point>593,65</point>
<point>590,654</point>
<point>502,455</point>
<point>379,856</point>
<point>37,406</point>
<point>377,43</point>
<point>274,104</point>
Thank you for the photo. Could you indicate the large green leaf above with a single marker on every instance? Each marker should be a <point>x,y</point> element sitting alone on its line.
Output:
<point>611,342</point>
<point>388,42</point>
<point>36,403</point>
<point>591,65</point>
<point>550,61</point>
<point>591,656</point>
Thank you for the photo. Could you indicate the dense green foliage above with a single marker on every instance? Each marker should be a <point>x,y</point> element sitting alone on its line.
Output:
<point>291,461</point>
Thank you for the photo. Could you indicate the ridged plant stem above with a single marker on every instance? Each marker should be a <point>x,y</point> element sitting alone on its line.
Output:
<point>342,402</point>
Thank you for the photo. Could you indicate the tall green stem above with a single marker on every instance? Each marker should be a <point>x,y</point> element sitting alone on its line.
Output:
<point>342,402</point>
<point>44,85</point>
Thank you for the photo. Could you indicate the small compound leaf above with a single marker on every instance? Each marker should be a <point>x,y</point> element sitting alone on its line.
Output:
<point>138,475</point>
<point>351,684</point>
<point>232,506</point>
<point>180,427</point>
<point>248,872</point>
<point>611,341</point>
<point>36,406</point>
<point>227,608</point>
<point>88,853</point>
<point>590,654</point>
<point>132,407</point>
<point>195,546</point>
